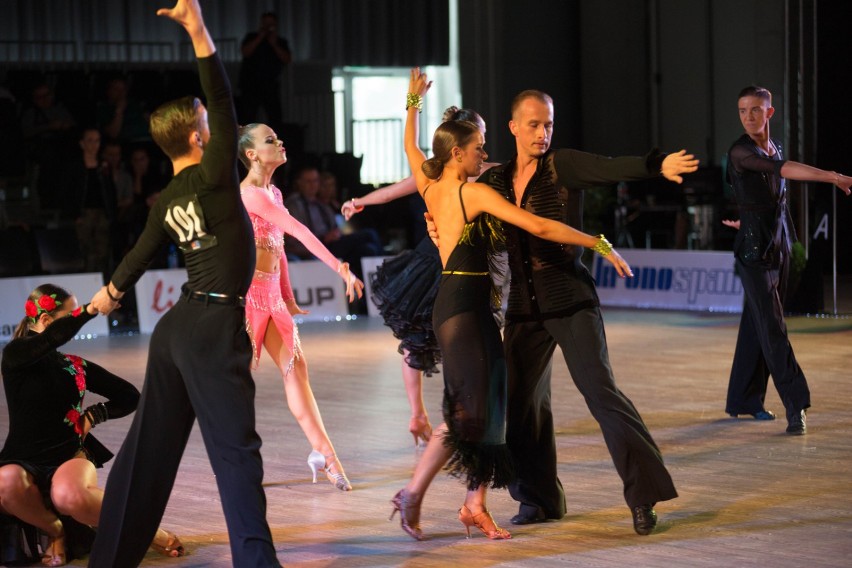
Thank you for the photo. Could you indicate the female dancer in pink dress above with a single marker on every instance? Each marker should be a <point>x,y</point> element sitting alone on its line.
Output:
<point>270,304</point>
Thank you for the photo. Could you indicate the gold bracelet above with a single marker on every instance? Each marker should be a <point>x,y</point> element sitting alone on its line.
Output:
<point>414,100</point>
<point>603,247</point>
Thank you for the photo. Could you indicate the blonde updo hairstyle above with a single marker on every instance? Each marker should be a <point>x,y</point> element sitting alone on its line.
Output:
<point>449,135</point>
<point>245,141</point>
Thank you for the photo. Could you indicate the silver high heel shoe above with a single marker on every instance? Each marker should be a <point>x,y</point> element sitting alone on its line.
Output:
<point>318,462</point>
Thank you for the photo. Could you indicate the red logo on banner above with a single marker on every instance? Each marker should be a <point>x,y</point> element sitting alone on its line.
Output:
<point>158,294</point>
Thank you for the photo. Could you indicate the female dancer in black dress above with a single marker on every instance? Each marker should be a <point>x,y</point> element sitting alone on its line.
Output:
<point>47,465</point>
<point>472,437</point>
<point>404,289</point>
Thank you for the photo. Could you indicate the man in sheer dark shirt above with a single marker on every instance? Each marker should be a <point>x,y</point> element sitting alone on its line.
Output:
<point>757,172</point>
<point>552,301</point>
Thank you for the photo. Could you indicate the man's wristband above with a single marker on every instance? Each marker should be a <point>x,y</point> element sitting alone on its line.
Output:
<point>111,297</point>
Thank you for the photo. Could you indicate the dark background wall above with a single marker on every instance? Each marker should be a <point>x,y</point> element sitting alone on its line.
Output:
<point>626,75</point>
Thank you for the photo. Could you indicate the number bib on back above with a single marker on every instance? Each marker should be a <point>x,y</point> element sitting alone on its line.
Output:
<point>185,224</point>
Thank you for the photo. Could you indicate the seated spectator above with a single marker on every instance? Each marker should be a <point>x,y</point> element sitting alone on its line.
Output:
<point>46,120</point>
<point>320,218</point>
<point>121,117</point>
<point>328,193</point>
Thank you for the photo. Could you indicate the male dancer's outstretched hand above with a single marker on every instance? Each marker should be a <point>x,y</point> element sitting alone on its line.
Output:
<point>188,14</point>
<point>678,163</point>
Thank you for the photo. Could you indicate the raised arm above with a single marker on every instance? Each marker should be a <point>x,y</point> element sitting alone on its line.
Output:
<point>31,348</point>
<point>187,13</point>
<point>418,85</point>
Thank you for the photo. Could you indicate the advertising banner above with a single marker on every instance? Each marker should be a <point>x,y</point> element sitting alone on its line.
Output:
<point>316,288</point>
<point>671,279</point>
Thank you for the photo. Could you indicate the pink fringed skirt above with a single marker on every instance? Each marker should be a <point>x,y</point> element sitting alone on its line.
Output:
<point>264,303</point>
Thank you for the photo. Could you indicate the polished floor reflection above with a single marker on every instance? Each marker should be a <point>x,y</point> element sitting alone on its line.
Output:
<point>749,494</point>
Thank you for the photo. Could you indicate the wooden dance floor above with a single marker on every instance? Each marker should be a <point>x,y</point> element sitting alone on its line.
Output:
<point>750,495</point>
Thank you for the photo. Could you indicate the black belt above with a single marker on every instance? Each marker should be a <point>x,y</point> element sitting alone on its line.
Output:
<point>212,298</point>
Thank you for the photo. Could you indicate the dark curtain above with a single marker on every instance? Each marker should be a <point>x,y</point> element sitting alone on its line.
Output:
<point>335,32</point>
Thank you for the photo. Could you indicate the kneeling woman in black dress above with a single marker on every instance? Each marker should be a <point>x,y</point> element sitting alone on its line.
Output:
<point>467,215</point>
<point>47,465</point>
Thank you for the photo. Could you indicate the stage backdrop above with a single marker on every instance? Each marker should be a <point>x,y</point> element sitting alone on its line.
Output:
<point>671,279</point>
<point>15,291</point>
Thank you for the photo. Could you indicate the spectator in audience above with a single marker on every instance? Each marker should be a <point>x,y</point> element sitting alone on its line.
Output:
<point>91,201</point>
<point>121,117</point>
<point>47,127</point>
<point>46,120</point>
<point>320,218</point>
<point>111,156</point>
<point>328,193</point>
<point>145,186</point>
<point>265,54</point>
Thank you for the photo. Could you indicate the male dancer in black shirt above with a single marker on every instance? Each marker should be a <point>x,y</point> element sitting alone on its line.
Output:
<point>756,170</point>
<point>199,354</point>
<point>552,301</point>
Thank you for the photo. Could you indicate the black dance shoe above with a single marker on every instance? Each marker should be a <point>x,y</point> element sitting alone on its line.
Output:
<point>759,415</point>
<point>796,423</point>
<point>644,519</point>
<point>764,415</point>
<point>528,516</point>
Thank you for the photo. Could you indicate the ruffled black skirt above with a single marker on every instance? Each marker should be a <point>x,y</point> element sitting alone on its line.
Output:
<point>404,289</point>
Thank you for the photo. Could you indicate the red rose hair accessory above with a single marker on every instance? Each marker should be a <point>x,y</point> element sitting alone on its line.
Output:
<point>44,304</point>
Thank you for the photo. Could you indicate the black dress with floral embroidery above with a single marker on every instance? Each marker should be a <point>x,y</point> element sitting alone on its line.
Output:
<point>45,390</point>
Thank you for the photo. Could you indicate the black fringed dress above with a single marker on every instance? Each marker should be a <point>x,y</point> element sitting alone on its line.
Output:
<point>474,365</point>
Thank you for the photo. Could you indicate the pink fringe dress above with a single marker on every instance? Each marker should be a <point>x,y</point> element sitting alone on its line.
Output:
<point>268,292</point>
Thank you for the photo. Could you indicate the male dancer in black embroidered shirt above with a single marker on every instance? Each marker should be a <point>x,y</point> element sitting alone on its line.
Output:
<point>552,300</point>
<point>199,354</point>
<point>756,170</point>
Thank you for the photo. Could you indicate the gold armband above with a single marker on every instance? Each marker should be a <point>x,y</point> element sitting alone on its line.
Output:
<point>603,246</point>
<point>414,100</point>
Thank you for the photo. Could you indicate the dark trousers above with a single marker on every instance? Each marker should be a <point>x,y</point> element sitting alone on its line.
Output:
<point>763,347</point>
<point>529,433</point>
<point>198,366</point>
